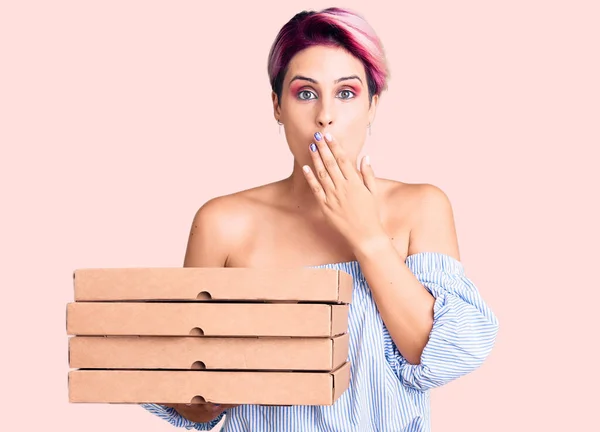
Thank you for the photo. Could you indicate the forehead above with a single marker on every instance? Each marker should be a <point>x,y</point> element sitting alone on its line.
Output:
<point>325,64</point>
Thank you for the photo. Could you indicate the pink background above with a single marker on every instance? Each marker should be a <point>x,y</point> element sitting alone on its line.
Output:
<point>118,119</point>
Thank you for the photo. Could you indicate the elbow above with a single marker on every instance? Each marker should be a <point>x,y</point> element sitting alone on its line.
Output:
<point>457,345</point>
<point>413,352</point>
<point>415,357</point>
<point>413,360</point>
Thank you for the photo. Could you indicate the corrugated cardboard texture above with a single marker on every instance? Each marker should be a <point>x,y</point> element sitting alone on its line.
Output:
<point>148,352</point>
<point>321,285</point>
<point>209,319</point>
<point>267,388</point>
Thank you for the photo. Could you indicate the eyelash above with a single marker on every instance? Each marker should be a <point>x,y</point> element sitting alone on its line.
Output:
<point>309,91</point>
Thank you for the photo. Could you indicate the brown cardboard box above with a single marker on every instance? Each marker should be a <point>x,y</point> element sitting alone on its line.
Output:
<point>320,285</point>
<point>249,353</point>
<point>265,388</point>
<point>223,335</point>
<point>208,319</point>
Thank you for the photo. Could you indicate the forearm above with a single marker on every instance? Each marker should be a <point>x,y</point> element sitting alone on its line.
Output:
<point>405,305</point>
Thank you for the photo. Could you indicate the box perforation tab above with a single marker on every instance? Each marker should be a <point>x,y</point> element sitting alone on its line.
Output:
<point>196,331</point>
<point>204,295</point>
<point>198,400</point>
<point>198,365</point>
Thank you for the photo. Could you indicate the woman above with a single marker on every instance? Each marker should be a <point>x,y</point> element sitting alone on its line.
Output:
<point>416,321</point>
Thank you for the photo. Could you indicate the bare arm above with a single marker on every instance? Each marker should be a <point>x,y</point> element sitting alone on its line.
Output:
<point>405,305</point>
<point>439,326</point>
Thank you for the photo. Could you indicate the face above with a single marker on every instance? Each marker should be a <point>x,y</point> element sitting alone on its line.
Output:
<point>325,90</point>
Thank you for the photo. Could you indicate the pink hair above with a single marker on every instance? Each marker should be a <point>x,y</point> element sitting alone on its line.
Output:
<point>331,27</point>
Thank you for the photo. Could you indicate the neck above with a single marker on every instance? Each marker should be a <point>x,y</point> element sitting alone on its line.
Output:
<point>299,194</point>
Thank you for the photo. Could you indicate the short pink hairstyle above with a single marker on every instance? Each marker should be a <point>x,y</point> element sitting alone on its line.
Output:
<point>331,27</point>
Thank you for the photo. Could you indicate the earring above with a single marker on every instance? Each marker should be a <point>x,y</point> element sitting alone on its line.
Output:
<point>279,123</point>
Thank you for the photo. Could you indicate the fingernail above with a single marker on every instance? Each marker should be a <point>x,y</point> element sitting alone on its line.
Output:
<point>313,147</point>
<point>328,136</point>
<point>318,136</point>
<point>368,160</point>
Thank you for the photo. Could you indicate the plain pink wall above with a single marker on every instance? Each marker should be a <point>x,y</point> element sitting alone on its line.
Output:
<point>118,119</point>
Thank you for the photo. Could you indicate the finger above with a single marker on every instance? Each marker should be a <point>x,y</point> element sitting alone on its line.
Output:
<point>330,159</point>
<point>368,175</point>
<point>344,165</point>
<point>321,172</point>
<point>314,184</point>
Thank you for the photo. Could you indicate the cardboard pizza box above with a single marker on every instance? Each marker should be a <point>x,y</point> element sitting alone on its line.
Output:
<point>209,353</point>
<point>206,319</point>
<point>200,386</point>
<point>305,284</point>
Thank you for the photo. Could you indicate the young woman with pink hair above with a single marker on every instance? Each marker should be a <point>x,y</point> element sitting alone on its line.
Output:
<point>416,321</point>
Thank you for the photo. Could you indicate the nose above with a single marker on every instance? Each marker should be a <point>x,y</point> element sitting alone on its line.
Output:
<point>325,114</point>
<point>324,121</point>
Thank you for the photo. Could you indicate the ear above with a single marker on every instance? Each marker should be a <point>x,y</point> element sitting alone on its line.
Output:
<point>276,106</point>
<point>373,108</point>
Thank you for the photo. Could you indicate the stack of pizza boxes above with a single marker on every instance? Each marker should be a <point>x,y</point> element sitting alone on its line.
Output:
<point>218,335</point>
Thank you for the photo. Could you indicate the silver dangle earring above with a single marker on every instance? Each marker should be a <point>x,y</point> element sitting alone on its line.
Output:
<point>279,123</point>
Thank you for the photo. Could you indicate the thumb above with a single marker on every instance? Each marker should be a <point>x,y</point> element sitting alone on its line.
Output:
<point>368,174</point>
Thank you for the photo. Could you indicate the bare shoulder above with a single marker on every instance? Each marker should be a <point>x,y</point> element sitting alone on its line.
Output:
<point>428,211</point>
<point>220,224</point>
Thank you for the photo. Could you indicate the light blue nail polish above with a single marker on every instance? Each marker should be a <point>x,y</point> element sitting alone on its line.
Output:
<point>318,136</point>
<point>313,147</point>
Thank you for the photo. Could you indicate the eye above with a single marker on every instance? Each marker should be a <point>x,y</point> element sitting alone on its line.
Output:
<point>347,93</point>
<point>305,92</point>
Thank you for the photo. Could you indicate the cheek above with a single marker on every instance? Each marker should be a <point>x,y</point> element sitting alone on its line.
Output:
<point>353,130</point>
<point>354,120</point>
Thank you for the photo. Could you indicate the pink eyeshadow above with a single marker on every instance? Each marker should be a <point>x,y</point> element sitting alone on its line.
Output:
<point>296,86</point>
<point>356,90</point>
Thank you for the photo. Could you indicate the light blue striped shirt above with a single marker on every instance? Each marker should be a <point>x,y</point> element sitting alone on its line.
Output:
<point>386,393</point>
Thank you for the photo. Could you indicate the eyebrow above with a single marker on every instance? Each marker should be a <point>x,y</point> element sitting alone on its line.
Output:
<point>300,77</point>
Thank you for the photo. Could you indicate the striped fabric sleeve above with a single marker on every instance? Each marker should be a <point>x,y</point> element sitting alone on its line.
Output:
<point>173,417</point>
<point>464,328</point>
